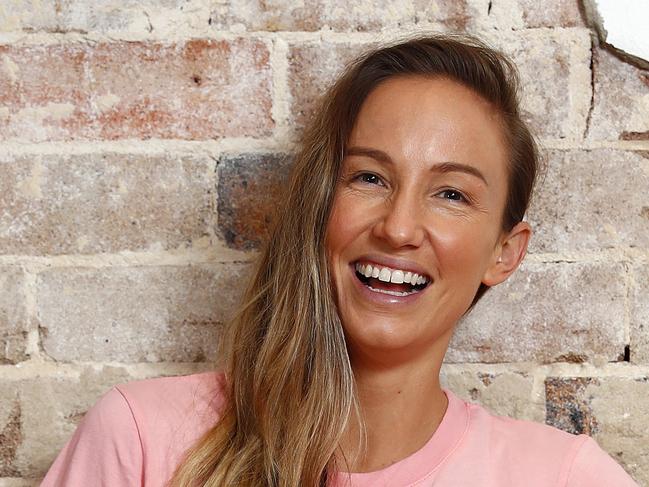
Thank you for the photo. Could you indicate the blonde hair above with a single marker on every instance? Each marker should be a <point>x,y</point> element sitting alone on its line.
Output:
<point>290,385</point>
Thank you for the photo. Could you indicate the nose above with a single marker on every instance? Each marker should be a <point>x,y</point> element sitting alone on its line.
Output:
<point>399,223</point>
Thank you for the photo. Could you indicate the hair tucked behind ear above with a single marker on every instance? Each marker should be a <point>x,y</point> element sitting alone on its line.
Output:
<point>290,386</point>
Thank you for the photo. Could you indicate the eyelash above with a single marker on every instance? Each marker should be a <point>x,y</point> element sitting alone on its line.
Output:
<point>462,197</point>
<point>358,177</point>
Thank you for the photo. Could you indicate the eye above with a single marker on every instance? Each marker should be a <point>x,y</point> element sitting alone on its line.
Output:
<point>453,195</point>
<point>368,178</point>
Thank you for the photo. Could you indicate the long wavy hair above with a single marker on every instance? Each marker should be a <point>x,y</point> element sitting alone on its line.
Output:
<point>290,389</point>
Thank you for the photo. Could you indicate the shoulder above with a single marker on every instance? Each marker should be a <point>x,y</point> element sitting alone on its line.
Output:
<point>138,429</point>
<point>593,467</point>
<point>172,413</point>
<point>567,459</point>
<point>170,395</point>
<point>105,448</point>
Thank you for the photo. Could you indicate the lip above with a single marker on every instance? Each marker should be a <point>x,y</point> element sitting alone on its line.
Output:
<point>391,262</point>
<point>380,298</point>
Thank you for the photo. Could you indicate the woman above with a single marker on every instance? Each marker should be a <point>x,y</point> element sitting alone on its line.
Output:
<point>405,205</point>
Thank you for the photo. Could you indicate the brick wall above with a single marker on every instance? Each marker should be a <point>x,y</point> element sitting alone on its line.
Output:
<point>144,144</point>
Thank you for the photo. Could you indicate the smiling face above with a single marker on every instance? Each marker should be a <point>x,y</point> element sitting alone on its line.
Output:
<point>422,190</point>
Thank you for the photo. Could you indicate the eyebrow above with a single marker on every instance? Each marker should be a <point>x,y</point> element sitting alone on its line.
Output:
<point>442,167</point>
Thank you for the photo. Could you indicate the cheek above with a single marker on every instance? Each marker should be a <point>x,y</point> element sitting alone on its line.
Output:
<point>345,224</point>
<point>461,247</point>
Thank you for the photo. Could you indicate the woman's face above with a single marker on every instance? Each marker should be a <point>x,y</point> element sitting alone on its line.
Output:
<point>421,191</point>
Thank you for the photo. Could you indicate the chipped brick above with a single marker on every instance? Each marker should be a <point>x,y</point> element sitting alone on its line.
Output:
<point>621,100</point>
<point>507,393</point>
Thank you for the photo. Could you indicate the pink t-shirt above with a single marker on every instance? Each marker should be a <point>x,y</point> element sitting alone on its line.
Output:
<point>137,433</point>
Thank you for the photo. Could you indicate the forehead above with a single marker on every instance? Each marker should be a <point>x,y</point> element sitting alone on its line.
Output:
<point>427,120</point>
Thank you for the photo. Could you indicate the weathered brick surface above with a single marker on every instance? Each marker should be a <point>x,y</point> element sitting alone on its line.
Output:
<point>19,15</point>
<point>147,16</point>
<point>621,102</point>
<point>589,200</point>
<point>611,409</point>
<point>555,79</point>
<point>554,73</point>
<point>566,406</point>
<point>46,429</point>
<point>137,314</point>
<point>13,315</point>
<point>11,431</point>
<point>250,190</point>
<point>521,14</point>
<point>569,312</point>
<point>199,89</point>
<point>639,303</point>
<point>19,482</point>
<point>343,16</point>
<point>143,16</point>
<point>104,203</point>
<point>207,74</point>
<point>503,393</point>
<point>312,68</point>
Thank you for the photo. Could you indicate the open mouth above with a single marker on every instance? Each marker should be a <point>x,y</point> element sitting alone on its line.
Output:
<point>390,281</point>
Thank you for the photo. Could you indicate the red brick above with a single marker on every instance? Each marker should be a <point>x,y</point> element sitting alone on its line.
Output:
<point>563,312</point>
<point>250,189</point>
<point>104,203</point>
<point>200,89</point>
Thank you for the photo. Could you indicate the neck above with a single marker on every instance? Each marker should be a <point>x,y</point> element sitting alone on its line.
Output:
<point>401,407</point>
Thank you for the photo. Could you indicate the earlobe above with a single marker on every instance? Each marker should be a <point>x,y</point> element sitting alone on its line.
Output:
<point>508,254</point>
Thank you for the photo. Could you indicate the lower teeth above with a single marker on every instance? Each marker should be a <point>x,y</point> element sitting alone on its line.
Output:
<point>391,293</point>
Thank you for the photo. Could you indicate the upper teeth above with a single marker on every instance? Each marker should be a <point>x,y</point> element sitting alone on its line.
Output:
<point>386,274</point>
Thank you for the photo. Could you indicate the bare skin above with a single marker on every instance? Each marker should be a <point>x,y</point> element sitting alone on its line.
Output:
<point>422,188</point>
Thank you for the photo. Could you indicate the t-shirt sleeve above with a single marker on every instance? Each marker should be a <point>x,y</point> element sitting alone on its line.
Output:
<point>593,467</point>
<point>105,450</point>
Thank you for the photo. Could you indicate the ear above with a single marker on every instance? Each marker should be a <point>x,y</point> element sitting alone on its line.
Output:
<point>508,254</point>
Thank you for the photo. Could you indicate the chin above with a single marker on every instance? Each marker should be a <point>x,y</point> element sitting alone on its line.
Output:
<point>387,342</point>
